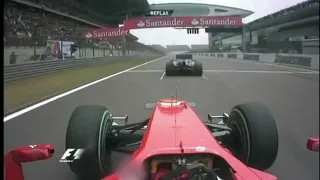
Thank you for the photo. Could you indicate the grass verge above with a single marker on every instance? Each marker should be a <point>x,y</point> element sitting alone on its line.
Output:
<point>21,92</point>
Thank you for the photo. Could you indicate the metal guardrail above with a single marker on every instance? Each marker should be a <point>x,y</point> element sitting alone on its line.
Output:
<point>19,71</point>
<point>308,61</point>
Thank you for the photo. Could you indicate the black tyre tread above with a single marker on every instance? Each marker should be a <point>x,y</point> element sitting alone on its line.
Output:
<point>169,67</point>
<point>198,68</point>
<point>263,133</point>
<point>83,132</point>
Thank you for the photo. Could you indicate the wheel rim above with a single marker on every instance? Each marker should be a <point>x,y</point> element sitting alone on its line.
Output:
<point>241,137</point>
<point>103,131</point>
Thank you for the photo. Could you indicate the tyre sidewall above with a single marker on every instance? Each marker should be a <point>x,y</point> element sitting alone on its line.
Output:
<point>87,129</point>
<point>169,68</point>
<point>198,68</point>
<point>259,127</point>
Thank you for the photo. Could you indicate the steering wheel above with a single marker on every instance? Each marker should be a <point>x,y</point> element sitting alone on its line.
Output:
<point>195,171</point>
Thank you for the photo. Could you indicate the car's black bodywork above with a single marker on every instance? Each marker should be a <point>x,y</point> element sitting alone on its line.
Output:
<point>183,65</point>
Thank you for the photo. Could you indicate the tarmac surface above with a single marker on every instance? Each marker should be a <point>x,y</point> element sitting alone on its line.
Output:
<point>292,94</point>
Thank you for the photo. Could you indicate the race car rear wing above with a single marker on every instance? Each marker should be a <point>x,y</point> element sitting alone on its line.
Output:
<point>184,56</point>
<point>152,105</point>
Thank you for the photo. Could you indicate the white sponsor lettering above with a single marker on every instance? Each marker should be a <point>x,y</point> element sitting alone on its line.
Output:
<point>119,32</point>
<point>159,13</point>
<point>174,22</point>
<point>170,104</point>
<point>32,146</point>
<point>200,148</point>
<point>227,21</point>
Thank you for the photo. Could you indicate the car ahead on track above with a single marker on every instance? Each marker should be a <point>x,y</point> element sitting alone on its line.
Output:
<point>173,143</point>
<point>183,65</point>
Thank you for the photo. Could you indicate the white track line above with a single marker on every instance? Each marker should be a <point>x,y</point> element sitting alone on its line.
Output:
<point>162,76</point>
<point>268,64</point>
<point>144,71</point>
<point>32,107</point>
<point>284,66</point>
<point>204,76</point>
<point>268,72</point>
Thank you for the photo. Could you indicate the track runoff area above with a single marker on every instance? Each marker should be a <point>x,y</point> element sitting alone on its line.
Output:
<point>292,94</point>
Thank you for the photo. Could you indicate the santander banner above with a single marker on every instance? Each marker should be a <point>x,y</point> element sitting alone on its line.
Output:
<point>160,22</point>
<point>107,32</point>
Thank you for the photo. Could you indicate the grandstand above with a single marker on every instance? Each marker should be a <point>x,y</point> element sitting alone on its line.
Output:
<point>307,11</point>
<point>199,47</point>
<point>159,48</point>
<point>31,23</point>
<point>178,48</point>
<point>281,31</point>
<point>301,10</point>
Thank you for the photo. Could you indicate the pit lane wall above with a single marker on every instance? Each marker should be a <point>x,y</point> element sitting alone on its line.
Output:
<point>31,55</point>
<point>296,60</point>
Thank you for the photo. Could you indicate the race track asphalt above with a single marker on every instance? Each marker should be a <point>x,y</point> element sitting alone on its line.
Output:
<point>292,95</point>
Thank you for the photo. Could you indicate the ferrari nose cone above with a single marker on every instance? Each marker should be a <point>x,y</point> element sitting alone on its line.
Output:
<point>170,102</point>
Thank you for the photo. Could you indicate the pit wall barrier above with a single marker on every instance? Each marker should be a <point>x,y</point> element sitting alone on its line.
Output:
<point>296,60</point>
<point>31,55</point>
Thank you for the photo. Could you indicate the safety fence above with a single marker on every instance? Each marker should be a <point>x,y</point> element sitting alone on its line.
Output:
<point>19,71</point>
<point>24,55</point>
<point>297,60</point>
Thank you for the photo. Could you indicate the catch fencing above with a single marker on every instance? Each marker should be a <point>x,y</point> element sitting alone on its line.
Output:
<point>19,71</point>
<point>297,60</point>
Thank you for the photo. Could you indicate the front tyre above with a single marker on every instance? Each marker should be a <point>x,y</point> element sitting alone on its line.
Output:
<point>255,135</point>
<point>87,129</point>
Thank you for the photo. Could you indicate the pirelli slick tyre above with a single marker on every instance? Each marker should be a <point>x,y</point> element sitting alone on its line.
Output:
<point>198,71</point>
<point>87,129</point>
<point>255,135</point>
<point>169,71</point>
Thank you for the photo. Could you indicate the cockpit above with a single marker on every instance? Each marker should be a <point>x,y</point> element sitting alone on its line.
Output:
<point>188,167</point>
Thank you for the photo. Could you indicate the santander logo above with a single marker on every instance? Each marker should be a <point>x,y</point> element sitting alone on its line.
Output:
<point>141,24</point>
<point>182,22</point>
<point>154,23</point>
<point>88,35</point>
<point>195,22</point>
<point>107,32</point>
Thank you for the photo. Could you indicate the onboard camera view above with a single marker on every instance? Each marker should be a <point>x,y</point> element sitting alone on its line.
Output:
<point>161,90</point>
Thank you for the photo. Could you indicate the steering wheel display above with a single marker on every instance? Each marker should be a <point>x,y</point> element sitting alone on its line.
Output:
<point>195,171</point>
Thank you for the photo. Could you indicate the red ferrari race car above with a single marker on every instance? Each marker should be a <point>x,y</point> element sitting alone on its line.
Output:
<point>173,143</point>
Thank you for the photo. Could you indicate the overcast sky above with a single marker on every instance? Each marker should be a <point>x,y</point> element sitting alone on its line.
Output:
<point>167,36</point>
